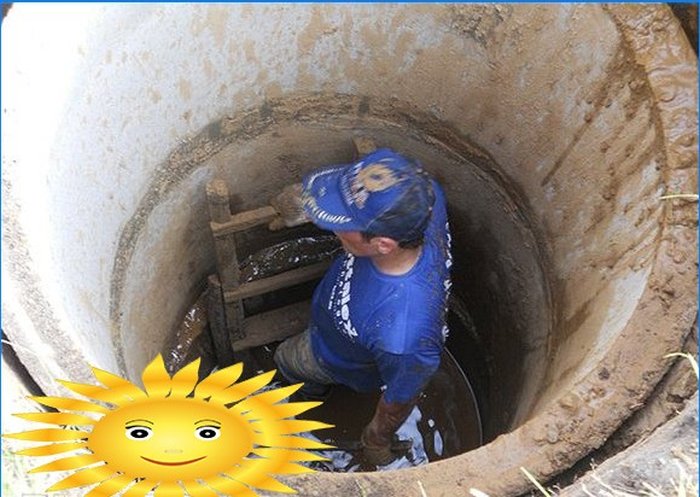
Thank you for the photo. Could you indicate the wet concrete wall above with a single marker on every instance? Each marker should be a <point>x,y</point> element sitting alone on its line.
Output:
<point>555,130</point>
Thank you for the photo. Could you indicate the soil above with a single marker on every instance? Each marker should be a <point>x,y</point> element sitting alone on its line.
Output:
<point>666,463</point>
<point>668,399</point>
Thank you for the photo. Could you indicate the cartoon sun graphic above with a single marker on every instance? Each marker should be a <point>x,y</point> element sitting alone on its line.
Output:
<point>175,436</point>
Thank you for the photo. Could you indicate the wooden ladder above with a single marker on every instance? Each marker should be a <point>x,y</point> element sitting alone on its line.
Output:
<point>230,329</point>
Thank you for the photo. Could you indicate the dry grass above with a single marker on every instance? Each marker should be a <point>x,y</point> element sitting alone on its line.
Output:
<point>689,357</point>
<point>685,486</point>
<point>422,489</point>
<point>691,197</point>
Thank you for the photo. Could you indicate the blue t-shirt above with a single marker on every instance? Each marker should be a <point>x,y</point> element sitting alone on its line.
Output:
<point>369,329</point>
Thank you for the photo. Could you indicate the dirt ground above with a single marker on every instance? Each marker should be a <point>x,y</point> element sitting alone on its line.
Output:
<point>666,463</point>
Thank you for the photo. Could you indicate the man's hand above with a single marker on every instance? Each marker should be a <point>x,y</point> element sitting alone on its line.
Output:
<point>379,442</point>
<point>381,455</point>
<point>289,206</point>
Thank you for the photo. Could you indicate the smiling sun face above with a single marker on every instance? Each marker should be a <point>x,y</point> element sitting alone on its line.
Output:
<point>177,435</point>
<point>171,439</point>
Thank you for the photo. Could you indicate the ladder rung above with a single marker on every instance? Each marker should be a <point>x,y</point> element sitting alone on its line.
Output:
<point>244,220</point>
<point>282,280</point>
<point>274,326</point>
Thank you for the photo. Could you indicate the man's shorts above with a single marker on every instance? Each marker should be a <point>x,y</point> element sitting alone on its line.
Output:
<point>296,361</point>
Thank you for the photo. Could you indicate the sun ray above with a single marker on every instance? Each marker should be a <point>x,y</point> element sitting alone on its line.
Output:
<point>140,489</point>
<point>255,472</point>
<point>254,409</point>
<point>48,435</point>
<point>289,468</point>
<point>293,409</point>
<point>52,449</point>
<point>87,476</point>
<point>117,383</point>
<point>289,455</point>
<point>294,442</point>
<point>230,487</point>
<point>116,397</point>
<point>289,426</point>
<point>196,489</point>
<point>70,404</point>
<point>261,466</point>
<point>237,391</point>
<point>155,378</point>
<point>269,397</point>
<point>274,433</point>
<point>218,381</point>
<point>111,486</point>
<point>168,489</point>
<point>71,462</point>
<point>56,418</point>
<point>265,420</point>
<point>259,481</point>
<point>185,379</point>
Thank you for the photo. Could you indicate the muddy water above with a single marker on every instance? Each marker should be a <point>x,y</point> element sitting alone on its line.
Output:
<point>444,423</point>
<point>191,341</point>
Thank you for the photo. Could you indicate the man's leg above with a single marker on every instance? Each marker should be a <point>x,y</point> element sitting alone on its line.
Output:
<point>296,361</point>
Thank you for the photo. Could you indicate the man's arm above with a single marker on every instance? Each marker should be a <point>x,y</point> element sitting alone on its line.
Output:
<point>378,435</point>
<point>405,375</point>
